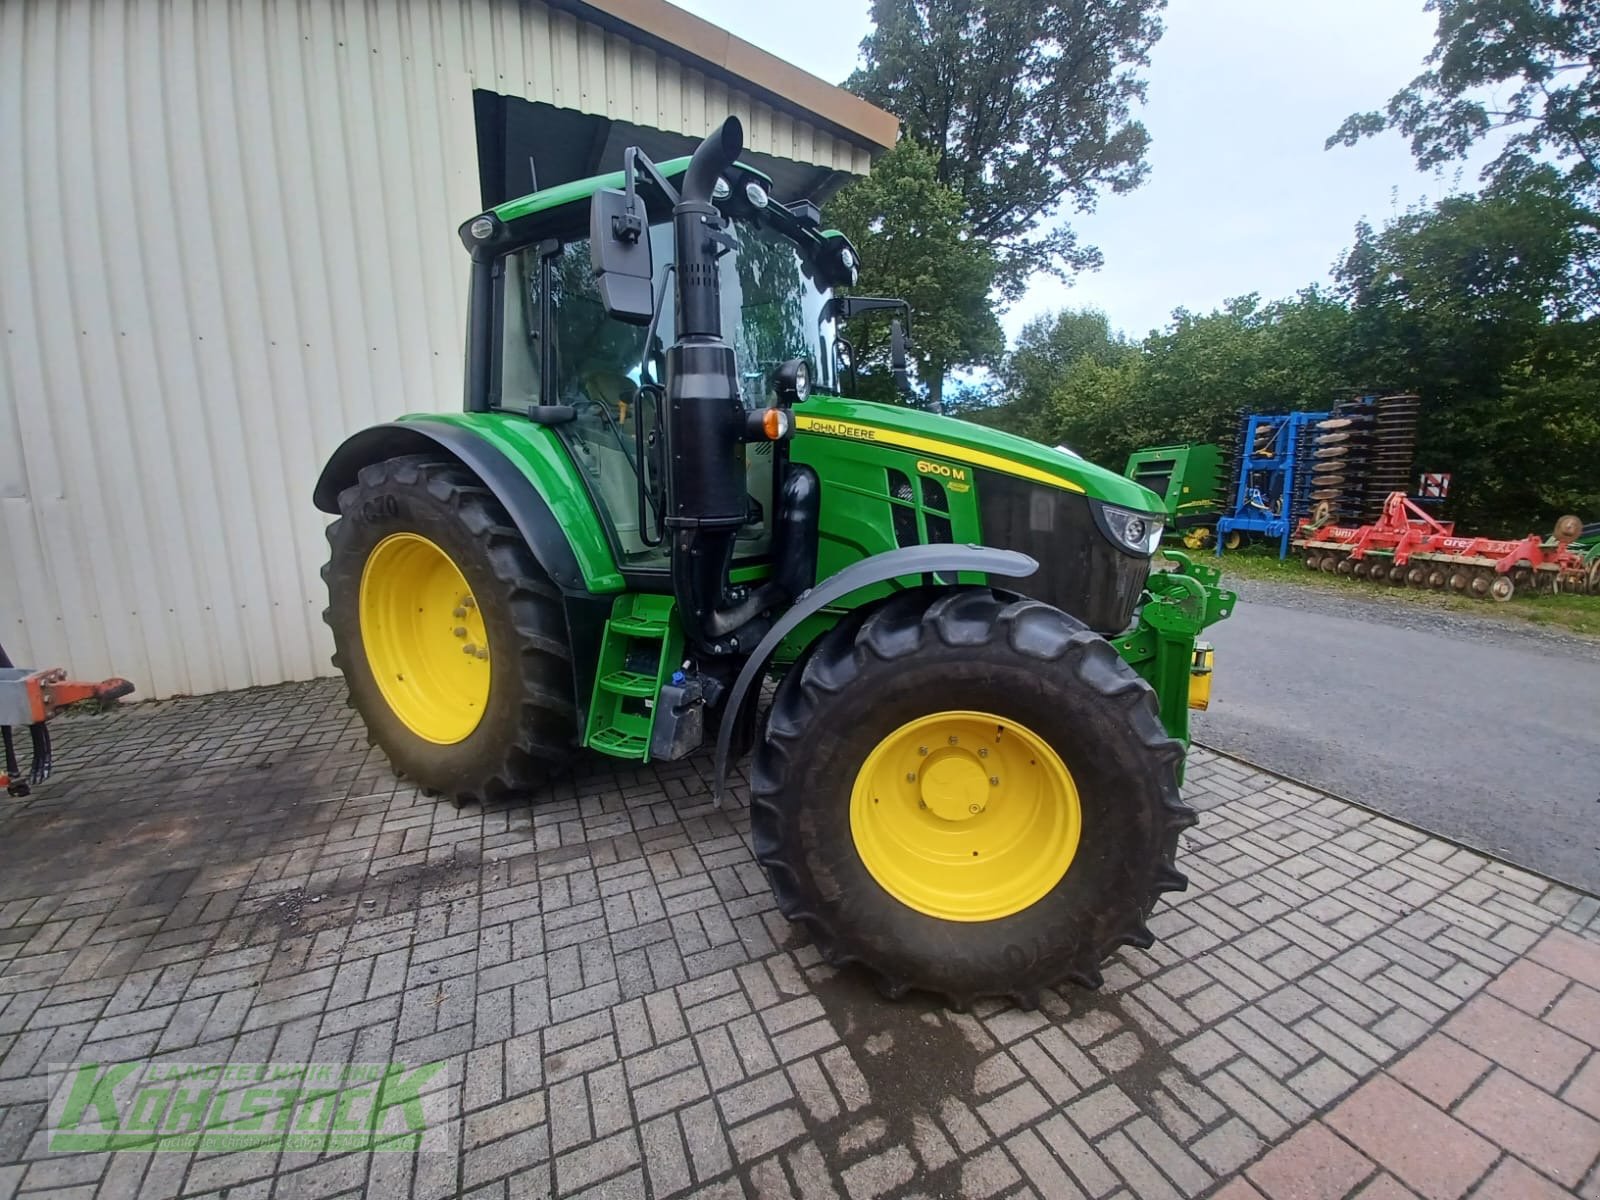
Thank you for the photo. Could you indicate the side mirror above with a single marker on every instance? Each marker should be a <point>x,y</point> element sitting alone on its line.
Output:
<point>897,356</point>
<point>619,254</point>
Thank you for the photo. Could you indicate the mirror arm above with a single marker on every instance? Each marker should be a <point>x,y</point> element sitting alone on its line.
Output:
<point>650,518</point>
<point>547,251</point>
<point>635,160</point>
<point>854,306</point>
<point>655,320</point>
<point>839,342</point>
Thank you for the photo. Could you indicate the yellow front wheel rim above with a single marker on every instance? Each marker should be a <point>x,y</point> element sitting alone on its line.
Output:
<point>424,638</point>
<point>965,816</point>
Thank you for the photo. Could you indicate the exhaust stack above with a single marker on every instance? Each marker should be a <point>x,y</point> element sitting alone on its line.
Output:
<point>707,500</point>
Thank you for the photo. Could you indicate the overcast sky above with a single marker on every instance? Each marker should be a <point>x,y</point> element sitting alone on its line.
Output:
<point>1241,195</point>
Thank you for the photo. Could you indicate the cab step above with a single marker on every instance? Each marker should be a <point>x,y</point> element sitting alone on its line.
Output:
<point>641,649</point>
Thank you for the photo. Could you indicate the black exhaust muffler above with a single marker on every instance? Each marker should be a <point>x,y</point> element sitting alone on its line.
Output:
<point>707,498</point>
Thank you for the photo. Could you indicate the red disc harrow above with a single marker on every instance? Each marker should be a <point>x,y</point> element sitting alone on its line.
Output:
<point>1407,546</point>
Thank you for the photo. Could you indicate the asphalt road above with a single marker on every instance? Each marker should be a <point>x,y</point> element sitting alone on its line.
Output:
<point>1481,730</point>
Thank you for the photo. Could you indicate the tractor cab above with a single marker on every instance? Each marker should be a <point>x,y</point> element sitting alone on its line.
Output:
<point>582,346</point>
<point>557,330</point>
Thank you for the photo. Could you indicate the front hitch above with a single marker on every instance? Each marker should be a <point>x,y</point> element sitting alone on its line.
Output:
<point>1162,646</point>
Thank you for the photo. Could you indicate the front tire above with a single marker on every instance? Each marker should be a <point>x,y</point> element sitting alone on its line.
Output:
<point>451,638</point>
<point>939,731</point>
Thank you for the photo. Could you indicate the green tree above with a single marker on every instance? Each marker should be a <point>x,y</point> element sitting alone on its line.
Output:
<point>1046,349</point>
<point>916,244</point>
<point>1479,305</point>
<point>1097,410</point>
<point>1526,71</point>
<point>1263,358</point>
<point>1025,104</point>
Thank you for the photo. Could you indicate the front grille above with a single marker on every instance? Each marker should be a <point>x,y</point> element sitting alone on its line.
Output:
<point>904,517</point>
<point>1080,571</point>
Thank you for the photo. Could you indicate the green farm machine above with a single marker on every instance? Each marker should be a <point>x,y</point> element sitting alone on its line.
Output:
<point>658,496</point>
<point>1188,480</point>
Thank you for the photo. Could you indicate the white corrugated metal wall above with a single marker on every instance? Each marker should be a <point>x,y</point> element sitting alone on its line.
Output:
<point>228,242</point>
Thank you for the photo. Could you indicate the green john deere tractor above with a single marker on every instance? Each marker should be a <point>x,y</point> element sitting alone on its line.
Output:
<point>658,495</point>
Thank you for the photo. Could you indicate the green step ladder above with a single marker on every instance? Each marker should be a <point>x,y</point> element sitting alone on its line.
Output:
<point>643,646</point>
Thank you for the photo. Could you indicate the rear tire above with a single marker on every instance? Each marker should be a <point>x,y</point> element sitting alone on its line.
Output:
<point>1021,663</point>
<point>528,721</point>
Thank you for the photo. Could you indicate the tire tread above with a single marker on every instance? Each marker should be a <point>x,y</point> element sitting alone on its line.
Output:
<point>544,738</point>
<point>897,629</point>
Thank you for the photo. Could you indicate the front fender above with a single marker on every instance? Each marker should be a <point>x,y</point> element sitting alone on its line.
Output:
<point>879,568</point>
<point>532,478</point>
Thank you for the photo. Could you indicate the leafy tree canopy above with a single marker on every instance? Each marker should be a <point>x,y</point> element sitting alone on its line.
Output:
<point>915,244</point>
<point>1478,303</point>
<point>1047,348</point>
<point>1528,70</point>
<point>1025,105</point>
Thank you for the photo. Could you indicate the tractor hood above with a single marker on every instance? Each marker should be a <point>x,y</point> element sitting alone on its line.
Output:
<point>962,441</point>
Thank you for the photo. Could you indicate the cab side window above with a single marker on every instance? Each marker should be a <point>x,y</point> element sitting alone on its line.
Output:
<point>519,333</point>
<point>595,364</point>
<point>596,359</point>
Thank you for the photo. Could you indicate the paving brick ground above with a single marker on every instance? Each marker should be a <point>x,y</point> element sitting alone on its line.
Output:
<point>1339,1006</point>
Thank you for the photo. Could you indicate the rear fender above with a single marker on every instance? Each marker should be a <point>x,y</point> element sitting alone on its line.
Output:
<point>584,573</point>
<point>530,512</point>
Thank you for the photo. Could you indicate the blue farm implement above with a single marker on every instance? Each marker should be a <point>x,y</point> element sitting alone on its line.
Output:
<point>1272,480</point>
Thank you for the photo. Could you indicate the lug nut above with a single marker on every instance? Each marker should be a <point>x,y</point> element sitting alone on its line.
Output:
<point>994,781</point>
<point>983,752</point>
<point>469,648</point>
<point>911,776</point>
<point>470,602</point>
<point>953,739</point>
<point>461,611</point>
<point>483,652</point>
<point>460,631</point>
<point>922,750</point>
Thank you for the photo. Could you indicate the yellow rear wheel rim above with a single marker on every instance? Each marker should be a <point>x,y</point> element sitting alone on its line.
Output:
<point>424,638</point>
<point>965,816</point>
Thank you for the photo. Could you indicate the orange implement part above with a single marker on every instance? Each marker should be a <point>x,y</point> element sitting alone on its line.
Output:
<point>32,697</point>
<point>1404,530</point>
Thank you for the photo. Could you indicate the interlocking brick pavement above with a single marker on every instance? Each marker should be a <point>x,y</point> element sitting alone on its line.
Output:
<point>1339,1006</point>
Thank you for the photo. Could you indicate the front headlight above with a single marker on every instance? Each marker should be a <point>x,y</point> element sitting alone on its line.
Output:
<point>1137,532</point>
